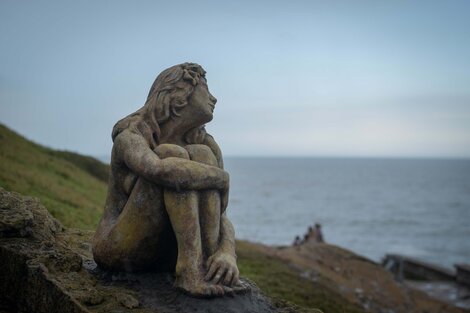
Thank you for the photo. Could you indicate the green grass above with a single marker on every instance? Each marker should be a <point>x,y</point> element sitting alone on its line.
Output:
<point>71,186</point>
<point>284,283</point>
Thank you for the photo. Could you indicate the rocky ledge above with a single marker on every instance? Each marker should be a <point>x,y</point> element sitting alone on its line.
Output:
<point>46,268</point>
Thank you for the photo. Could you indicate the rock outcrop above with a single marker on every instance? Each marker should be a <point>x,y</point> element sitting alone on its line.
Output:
<point>46,268</point>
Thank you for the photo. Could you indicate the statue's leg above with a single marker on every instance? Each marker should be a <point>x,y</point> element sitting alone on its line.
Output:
<point>183,210</point>
<point>140,238</point>
<point>209,202</point>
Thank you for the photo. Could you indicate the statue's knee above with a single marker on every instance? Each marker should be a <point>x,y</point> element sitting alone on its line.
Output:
<point>167,150</point>
<point>201,154</point>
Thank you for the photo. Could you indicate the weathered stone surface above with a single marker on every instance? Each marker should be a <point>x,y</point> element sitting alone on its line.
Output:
<point>168,190</point>
<point>30,254</point>
<point>45,268</point>
<point>156,292</point>
<point>17,219</point>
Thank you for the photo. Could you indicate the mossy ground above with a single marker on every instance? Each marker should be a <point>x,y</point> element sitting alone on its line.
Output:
<point>73,188</point>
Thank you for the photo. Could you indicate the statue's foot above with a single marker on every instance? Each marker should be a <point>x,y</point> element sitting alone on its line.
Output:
<point>199,288</point>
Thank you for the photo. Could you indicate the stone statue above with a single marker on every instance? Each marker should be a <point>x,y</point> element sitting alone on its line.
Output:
<point>168,191</point>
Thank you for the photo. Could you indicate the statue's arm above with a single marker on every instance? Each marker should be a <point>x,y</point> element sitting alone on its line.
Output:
<point>133,151</point>
<point>227,236</point>
<point>227,232</point>
<point>223,264</point>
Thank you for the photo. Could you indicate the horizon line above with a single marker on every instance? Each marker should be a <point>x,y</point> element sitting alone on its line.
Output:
<point>383,157</point>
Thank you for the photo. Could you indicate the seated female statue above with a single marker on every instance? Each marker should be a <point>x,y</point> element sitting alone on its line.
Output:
<point>168,191</point>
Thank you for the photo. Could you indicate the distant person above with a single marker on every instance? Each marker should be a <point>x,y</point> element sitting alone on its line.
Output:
<point>308,235</point>
<point>318,233</point>
<point>311,234</point>
<point>306,238</point>
<point>297,241</point>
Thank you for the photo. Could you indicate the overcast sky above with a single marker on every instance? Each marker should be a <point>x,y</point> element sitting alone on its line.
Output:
<point>292,78</point>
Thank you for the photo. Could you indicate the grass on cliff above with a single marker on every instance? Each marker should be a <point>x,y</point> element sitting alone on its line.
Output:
<point>281,282</point>
<point>71,186</point>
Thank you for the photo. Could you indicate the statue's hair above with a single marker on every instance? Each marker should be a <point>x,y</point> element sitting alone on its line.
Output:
<point>169,93</point>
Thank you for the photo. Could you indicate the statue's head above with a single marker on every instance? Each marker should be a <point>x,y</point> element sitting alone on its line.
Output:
<point>178,92</point>
<point>175,89</point>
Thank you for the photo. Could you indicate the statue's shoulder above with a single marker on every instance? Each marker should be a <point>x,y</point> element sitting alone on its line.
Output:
<point>128,136</point>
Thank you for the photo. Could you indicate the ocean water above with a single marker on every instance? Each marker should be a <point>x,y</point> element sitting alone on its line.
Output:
<point>415,207</point>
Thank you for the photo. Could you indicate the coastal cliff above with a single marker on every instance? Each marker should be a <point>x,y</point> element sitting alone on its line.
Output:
<point>45,267</point>
<point>46,264</point>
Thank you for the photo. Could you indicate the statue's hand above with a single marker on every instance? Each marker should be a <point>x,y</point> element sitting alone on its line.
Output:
<point>222,268</point>
<point>226,180</point>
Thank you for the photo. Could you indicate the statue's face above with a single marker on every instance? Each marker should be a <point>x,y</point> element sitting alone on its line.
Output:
<point>201,104</point>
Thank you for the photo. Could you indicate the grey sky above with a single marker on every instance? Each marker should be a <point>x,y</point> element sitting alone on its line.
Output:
<point>319,78</point>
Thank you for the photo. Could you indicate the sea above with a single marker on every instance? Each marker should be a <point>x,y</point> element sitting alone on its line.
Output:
<point>414,207</point>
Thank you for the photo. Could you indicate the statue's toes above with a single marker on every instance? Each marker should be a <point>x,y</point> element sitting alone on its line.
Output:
<point>240,287</point>
<point>202,292</point>
<point>229,291</point>
<point>203,289</point>
<point>217,290</point>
